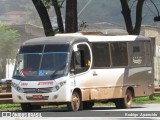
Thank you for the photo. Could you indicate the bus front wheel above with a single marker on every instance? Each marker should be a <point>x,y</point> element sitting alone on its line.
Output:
<point>75,103</point>
<point>125,102</point>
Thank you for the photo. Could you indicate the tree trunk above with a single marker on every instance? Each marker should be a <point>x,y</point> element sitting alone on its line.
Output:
<point>42,11</point>
<point>59,16</point>
<point>71,24</point>
<point>138,23</point>
<point>127,16</point>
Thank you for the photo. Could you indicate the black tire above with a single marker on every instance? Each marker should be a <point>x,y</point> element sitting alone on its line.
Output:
<point>26,107</point>
<point>36,107</point>
<point>75,103</point>
<point>125,102</point>
<point>88,105</point>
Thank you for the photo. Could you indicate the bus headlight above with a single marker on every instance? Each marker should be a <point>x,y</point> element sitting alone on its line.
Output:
<point>16,86</point>
<point>58,86</point>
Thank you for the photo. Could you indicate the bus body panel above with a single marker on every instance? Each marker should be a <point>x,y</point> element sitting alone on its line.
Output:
<point>104,84</point>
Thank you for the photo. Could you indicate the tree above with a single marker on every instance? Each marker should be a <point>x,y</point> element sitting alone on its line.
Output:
<point>71,24</point>
<point>127,16</point>
<point>9,44</point>
<point>43,13</point>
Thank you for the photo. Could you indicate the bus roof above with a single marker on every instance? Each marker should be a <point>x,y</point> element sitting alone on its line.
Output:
<point>102,38</point>
<point>115,38</point>
<point>78,37</point>
<point>55,40</point>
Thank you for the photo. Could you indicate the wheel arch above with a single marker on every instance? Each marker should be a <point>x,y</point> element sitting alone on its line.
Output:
<point>78,90</point>
<point>132,90</point>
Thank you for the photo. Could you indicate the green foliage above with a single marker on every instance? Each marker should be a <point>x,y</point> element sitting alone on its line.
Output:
<point>48,3</point>
<point>83,25</point>
<point>60,3</point>
<point>10,107</point>
<point>9,42</point>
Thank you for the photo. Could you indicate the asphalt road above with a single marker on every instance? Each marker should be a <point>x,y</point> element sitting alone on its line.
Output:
<point>147,111</point>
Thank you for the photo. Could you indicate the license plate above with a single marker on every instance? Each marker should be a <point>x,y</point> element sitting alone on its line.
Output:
<point>37,97</point>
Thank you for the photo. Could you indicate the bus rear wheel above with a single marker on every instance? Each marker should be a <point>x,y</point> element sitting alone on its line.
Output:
<point>75,103</point>
<point>125,102</point>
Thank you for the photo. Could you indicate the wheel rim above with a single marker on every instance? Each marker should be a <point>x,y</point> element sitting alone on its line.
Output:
<point>128,98</point>
<point>75,102</point>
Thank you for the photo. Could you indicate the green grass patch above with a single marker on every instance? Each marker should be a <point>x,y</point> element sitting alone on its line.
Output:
<point>10,107</point>
<point>139,100</point>
<point>147,100</point>
<point>17,107</point>
<point>104,104</point>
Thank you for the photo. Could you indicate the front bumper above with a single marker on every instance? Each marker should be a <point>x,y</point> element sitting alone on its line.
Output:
<point>62,95</point>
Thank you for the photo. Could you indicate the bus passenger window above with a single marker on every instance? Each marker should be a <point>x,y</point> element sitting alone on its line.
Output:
<point>119,54</point>
<point>101,56</point>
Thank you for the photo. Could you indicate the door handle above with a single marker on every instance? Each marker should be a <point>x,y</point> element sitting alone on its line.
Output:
<point>95,74</point>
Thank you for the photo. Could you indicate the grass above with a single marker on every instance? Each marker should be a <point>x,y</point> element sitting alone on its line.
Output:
<point>146,100</point>
<point>10,107</point>
<point>17,107</point>
<point>140,100</point>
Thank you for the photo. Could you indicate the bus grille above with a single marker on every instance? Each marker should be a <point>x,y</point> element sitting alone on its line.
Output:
<point>37,90</point>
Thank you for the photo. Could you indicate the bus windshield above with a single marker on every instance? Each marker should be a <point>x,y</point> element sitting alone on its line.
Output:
<point>37,63</point>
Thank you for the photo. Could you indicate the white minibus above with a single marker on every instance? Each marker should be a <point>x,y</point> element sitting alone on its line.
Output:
<point>79,70</point>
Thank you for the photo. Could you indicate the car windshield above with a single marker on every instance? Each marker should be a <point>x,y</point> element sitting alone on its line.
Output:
<point>47,63</point>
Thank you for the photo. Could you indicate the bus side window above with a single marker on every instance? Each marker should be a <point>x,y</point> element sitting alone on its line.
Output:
<point>136,53</point>
<point>101,55</point>
<point>80,59</point>
<point>119,55</point>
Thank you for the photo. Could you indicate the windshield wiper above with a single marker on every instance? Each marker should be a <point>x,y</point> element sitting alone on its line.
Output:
<point>58,69</point>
